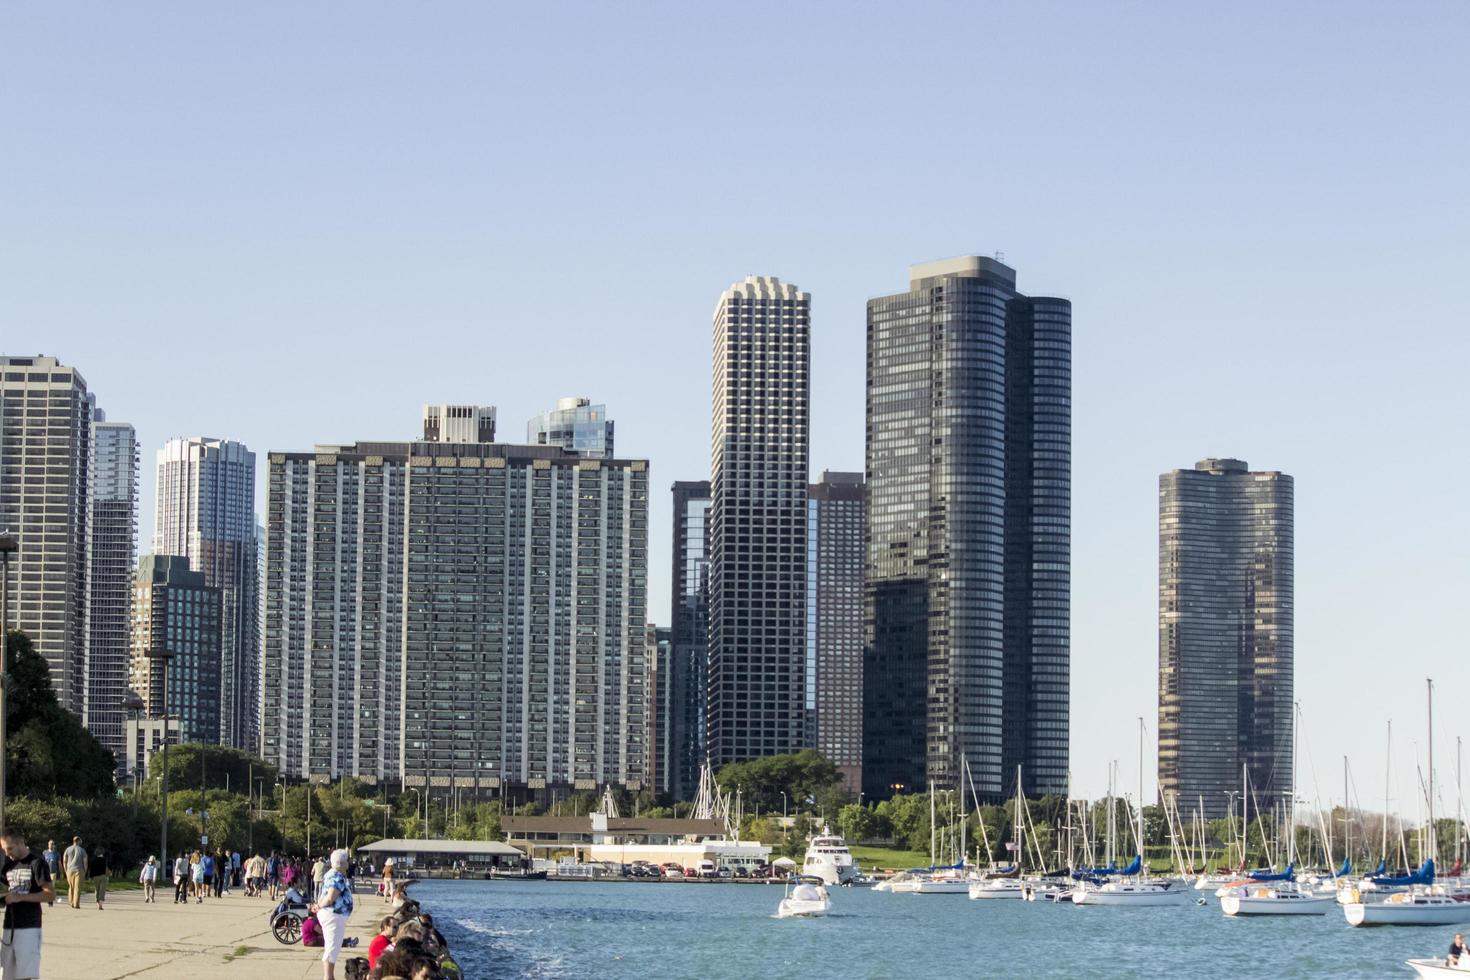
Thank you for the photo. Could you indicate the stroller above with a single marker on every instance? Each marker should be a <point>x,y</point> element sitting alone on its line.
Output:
<point>286,918</point>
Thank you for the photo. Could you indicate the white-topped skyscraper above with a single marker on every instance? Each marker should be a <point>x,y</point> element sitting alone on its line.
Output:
<point>45,500</point>
<point>969,534</point>
<point>205,512</point>
<point>576,425</point>
<point>112,545</point>
<point>757,521</point>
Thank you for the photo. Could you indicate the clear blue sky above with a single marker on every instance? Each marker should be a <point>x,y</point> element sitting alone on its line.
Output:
<point>296,223</point>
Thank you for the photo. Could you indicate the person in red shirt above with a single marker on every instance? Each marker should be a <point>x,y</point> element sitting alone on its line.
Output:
<point>382,940</point>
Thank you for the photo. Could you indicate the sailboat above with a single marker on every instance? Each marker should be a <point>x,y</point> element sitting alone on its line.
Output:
<point>1005,884</point>
<point>1131,888</point>
<point>1423,904</point>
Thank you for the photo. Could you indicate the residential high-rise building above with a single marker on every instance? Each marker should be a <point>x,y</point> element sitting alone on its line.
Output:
<point>112,543</point>
<point>457,614</point>
<point>45,497</point>
<point>459,423</point>
<point>176,610</point>
<point>689,634</point>
<point>577,426</point>
<point>836,551</point>
<point>968,566</point>
<point>1226,668</point>
<point>660,706</point>
<point>205,512</point>
<point>757,521</point>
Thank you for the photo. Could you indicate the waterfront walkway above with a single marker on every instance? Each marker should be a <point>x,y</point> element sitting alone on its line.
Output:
<point>132,939</point>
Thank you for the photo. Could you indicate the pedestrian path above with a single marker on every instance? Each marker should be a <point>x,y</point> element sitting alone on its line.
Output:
<point>130,938</point>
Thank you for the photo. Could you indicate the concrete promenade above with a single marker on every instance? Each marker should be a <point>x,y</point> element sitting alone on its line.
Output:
<point>129,938</point>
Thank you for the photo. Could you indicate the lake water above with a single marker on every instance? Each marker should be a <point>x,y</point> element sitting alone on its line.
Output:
<point>655,930</point>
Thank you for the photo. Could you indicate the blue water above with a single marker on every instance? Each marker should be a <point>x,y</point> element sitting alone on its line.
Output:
<point>656,930</point>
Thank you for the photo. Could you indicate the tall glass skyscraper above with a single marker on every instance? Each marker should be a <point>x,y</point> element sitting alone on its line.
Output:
<point>175,609</point>
<point>45,500</point>
<point>968,562</point>
<point>689,635</point>
<point>1226,667</point>
<point>576,425</point>
<point>205,511</point>
<point>112,543</point>
<point>758,482</point>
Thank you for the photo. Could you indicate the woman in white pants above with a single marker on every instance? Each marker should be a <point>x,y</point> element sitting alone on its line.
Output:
<point>333,907</point>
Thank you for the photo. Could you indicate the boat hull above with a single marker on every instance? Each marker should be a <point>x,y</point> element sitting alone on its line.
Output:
<point>791,908</point>
<point>1149,899</point>
<point>1238,906</point>
<point>1406,914</point>
<point>1437,968</point>
<point>980,892</point>
<point>944,886</point>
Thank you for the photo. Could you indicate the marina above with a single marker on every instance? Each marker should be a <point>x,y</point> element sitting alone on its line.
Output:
<point>556,930</point>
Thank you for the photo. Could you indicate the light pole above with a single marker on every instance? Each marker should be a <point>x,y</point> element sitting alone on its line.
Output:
<point>418,799</point>
<point>783,804</point>
<point>134,706</point>
<point>161,657</point>
<point>8,545</point>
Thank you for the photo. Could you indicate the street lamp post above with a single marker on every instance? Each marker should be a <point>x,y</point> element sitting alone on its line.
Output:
<point>162,657</point>
<point>418,800</point>
<point>8,545</point>
<point>134,706</point>
<point>783,804</point>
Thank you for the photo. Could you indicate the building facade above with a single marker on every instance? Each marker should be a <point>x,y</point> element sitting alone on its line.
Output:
<point>1226,664</point>
<point>836,551</point>
<point>968,565</point>
<point>205,511</point>
<point>576,425</point>
<point>459,423</point>
<point>660,706</point>
<point>689,634</point>
<point>45,499</point>
<point>457,614</point>
<point>176,610</point>
<point>112,543</point>
<point>757,521</point>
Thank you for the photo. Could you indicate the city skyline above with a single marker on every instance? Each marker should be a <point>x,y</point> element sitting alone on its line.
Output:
<point>1211,208</point>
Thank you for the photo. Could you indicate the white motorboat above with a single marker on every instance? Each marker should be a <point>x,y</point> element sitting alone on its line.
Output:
<point>828,858</point>
<point>1416,907</point>
<point>1285,898</point>
<point>987,888</point>
<point>1137,893</point>
<point>1044,889</point>
<point>1441,968</point>
<point>808,899</point>
<point>1212,882</point>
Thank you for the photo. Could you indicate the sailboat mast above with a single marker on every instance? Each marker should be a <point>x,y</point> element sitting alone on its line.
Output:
<point>1433,843</point>
<point>1140,784</point>
<point>1387,768</point>
<point>1296,724</point>
<point>1347,822</point>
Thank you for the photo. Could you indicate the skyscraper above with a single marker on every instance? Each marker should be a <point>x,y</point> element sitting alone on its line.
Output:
<point>45,497</point>
<point>689,634</point>
<point>576,425</point>
<point>176,610</point>
<point>459,423</point>
<point>205,512</point>
<point>462,614</point>
<point>968,565</point>
<point>1225,633</point>
<point>660,706</point>
<point>757,530</point>
<point>836,550</point>
<point>112,543</point>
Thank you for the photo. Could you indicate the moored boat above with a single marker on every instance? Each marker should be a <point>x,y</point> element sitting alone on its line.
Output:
<point>1138,893</point>
<point>1282,898</point>
<point>988,888</point>
<point>1417,907</point>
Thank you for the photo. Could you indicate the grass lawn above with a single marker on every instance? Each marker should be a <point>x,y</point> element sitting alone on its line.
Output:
<point>885,858</point>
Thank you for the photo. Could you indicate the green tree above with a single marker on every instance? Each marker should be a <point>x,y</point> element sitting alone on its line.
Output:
<point>857,823</point>
<point>192,765</point>
<point>49,753</point>
<point>806,778</point>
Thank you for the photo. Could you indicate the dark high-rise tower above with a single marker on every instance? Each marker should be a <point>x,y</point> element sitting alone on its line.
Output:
<point>969,533</point>
<point>1225,633</point>
<point>836,551</point>
<point>689,636</point>
<point>758,474</point>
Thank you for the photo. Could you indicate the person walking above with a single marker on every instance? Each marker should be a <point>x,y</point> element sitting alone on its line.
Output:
<point>318,874</point>
<point>52,857</point>
<point>196,875</point>
<point>148,878</point>
<point>28,886</point>
<point>333,906</point>
<point>75,863</point>
<point>181,878</point>
<point>221,872</point>
<point>98,872</point>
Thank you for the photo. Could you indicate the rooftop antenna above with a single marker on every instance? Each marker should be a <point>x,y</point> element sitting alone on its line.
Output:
<point>1000,256</point>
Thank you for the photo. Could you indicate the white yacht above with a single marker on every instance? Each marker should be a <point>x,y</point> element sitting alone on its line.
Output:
<point>1132,894</point>
<point>828,858</point>
<point>1274,898</point>
<point>807,900</point>
<point>1419,906</point>
<point>985,888</point>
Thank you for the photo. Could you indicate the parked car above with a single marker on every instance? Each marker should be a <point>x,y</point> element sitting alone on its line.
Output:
<point>673,871</point>
<point>726,873</point>
<point>707,869</point>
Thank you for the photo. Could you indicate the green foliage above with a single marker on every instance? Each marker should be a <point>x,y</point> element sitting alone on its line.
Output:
<point>128,836</point>
<point>49,753</point>
<point>806,777</point>
<point>214,767</point>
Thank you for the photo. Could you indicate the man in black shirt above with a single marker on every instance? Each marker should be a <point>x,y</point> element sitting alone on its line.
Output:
<point>27,887</point>
<point>1457,950</point>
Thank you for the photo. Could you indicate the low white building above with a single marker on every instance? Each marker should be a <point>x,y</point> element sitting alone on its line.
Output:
<point>630,840</point>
